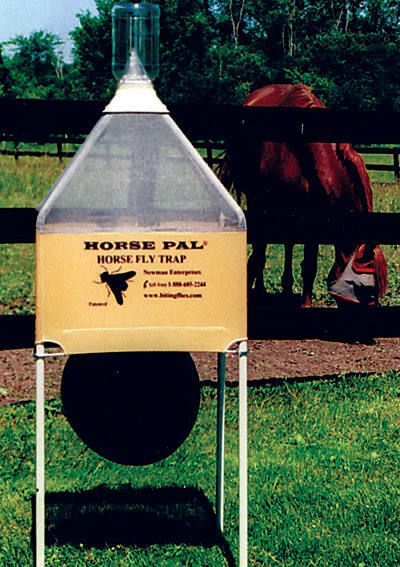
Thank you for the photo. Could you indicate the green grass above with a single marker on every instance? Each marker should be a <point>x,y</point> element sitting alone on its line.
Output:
<point>380,159</point>
<point>323,472</point>
<point>25,182</point>
<point>22,184</point>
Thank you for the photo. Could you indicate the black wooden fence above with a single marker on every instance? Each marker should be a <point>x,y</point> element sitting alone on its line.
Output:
<point>213,153</point>
<point>55,121</point>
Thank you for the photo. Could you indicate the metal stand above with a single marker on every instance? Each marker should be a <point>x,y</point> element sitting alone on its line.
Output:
<point>40,356</point>
<point>243,505</point>
<point>219,499</point>
<point>40,459</point>
<point>243,497</point>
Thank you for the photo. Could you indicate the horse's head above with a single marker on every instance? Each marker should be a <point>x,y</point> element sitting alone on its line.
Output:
<point>364,279</point>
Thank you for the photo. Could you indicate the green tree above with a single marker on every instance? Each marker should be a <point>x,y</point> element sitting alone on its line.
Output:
<point>345,50</point>
<point>91,70</point>
<point>206,55</point>
<point>36,66</point>
<point>362,70</point>
<point>219,50</point>
<point>5,79</point>
<point>202,60</point>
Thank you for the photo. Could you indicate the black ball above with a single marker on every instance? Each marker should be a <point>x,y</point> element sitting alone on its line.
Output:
<point>133,408</point>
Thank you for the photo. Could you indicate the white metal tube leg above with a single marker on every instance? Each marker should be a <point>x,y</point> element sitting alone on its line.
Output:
<point>219,498</point>
<point>40,459</point>
<point>243,503</point>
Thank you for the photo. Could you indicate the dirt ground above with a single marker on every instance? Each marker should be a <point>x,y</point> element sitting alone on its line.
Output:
<point>268,360</point>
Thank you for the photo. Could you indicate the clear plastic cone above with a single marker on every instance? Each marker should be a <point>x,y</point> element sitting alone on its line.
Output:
<point>138,171</point>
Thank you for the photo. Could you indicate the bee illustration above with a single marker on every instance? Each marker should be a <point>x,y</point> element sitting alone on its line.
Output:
<point>116,283</point>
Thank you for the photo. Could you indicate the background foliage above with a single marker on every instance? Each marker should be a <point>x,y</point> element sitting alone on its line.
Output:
<point>218,50</point>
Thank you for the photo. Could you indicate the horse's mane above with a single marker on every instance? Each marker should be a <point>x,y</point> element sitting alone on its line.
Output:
<point>301,95</point>
<point>284,95</point>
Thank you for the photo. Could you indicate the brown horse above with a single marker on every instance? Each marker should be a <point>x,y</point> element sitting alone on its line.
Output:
<point>306,177</point>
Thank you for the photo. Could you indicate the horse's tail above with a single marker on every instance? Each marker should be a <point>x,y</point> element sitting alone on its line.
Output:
<point>381,271</point>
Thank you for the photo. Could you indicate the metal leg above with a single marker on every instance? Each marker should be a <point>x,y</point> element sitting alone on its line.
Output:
<point>243,504</point>
<point>220,441</point>
<point>40,459</point>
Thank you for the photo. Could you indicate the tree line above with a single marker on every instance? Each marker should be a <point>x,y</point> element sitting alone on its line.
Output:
<point>217,51</point>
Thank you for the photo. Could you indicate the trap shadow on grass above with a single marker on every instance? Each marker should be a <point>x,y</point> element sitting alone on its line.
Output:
<point>105,517</point>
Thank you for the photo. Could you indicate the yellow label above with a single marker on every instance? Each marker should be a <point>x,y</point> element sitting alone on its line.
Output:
<point>102,292</point>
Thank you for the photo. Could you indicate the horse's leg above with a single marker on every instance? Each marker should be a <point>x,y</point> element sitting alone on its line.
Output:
<point>287,276</point>
<point>309,271</point>
<point>255,267</point>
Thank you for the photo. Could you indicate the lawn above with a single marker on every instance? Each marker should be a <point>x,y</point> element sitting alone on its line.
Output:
<point>323,490</point>
<point>22,184</point>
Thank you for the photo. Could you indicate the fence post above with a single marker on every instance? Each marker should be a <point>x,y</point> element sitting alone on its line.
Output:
<point>396,165</point>
<point>59,151</point>
<point>209,149</point>
<point>16,150</point>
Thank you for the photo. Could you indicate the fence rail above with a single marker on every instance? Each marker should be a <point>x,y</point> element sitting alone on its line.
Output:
<point>42,120</point>
<point>61,122</point>
<point>17,226</point>
<point>68,122</point>
<point>213,153</point>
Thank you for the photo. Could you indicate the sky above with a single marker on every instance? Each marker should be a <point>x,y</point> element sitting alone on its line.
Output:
<point>22,17</point>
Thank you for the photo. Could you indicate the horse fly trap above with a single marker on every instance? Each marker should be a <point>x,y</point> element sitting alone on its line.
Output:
<point>141,259</point>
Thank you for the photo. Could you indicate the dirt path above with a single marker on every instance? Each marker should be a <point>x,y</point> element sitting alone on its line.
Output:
<point>268,360</point>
